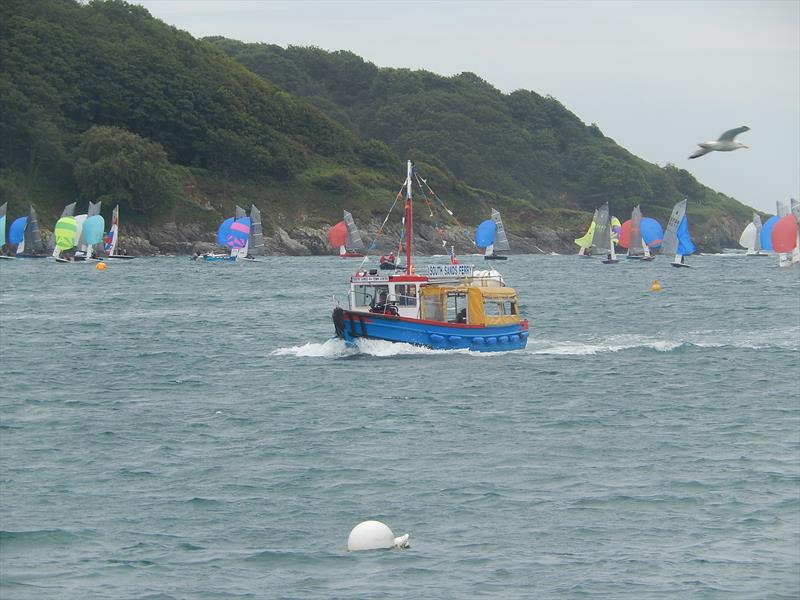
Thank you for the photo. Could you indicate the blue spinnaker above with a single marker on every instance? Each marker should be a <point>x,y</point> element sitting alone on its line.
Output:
<point>685,244</point>
<point>16,233</point>
<point>93,230</point>
<point>652,232</point>
<point>766,233</point>
<point>224,231</point>
<point>484,234</point>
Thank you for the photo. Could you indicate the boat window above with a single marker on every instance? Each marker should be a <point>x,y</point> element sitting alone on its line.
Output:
<point>432,308</point>
<point>406,295</point>
<point>493,308</point>
<point>365,295</point>
<point>456,303</point>
<point>510,307</point>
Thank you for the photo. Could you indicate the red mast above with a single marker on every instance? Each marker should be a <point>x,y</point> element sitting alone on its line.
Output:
<point>409,263</point>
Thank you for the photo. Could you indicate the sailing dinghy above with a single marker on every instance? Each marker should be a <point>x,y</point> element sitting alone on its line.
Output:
<point>491,236</point>
<point>785,235</point>
<point>677,238</point>
<point>751,237</point>
<point>602,242</point>
<point>233,234</point>
<point>111,239</point>
<point>630,237</point>
<point>91,235</point>
<point>346,236</point>
<point>24,232</point>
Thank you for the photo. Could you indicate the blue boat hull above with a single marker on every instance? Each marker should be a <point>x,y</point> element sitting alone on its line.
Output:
<point>350,326</point>
<point>219,258</point>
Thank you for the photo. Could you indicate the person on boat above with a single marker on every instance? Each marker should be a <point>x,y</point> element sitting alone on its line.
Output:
<point>195,255</point>
<point>461,317</point>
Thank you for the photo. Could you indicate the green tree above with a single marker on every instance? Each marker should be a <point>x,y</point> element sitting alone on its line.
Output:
<point>114,162</point>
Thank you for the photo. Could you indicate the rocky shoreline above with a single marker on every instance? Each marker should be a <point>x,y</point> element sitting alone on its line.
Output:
<point>170,238</point>
<point>309,241</point>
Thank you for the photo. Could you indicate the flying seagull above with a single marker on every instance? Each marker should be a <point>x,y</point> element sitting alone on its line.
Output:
<point>725,143</point>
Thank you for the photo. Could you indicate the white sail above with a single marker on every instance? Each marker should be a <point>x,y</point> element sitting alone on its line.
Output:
<point>489,251</point>
<point>113,233</point>
<point>353,236</point>
<point>636,246</point>
<point>79,220</point>
<point>601,242</point>
<point>784,258</point>
<point>256,234</point>
<point>670,243</point>
<point>500,238</point>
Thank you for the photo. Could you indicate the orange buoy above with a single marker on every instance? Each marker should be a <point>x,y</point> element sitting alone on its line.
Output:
<point>656,287</point>
<point>100,266</point>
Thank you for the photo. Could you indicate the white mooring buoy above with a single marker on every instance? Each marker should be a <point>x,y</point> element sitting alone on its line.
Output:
<point>374,535</point>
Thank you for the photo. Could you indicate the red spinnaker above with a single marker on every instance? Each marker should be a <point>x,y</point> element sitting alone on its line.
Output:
<point>784,234</point>
<point>337,235</point>
<point>625,234</point>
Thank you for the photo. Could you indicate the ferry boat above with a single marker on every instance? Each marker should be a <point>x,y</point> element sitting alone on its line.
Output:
<point>451,306</point>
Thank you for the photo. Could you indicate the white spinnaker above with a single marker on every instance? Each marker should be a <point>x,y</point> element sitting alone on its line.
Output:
<point>748,238</point>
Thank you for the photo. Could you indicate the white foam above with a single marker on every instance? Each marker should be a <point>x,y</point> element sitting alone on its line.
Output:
<point>332,348</point>
<point>615,343</point>
<point>335,348</point>
<point>782,338</point>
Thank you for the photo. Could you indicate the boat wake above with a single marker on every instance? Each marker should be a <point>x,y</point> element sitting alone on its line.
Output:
<point>616,343</point>
<point>781,339</point>
<point>336,348</point>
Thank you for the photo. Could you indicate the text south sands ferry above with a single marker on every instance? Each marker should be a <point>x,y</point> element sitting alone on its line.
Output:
<point>450,307</point>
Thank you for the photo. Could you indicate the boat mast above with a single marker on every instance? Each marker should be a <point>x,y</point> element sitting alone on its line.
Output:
<point>409,263</point>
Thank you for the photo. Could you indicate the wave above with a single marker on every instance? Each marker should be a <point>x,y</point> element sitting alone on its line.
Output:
<point>57,537</point>
<point>777,339</point>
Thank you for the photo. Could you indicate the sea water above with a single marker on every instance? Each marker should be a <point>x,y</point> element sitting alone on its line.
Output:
<point>175,429</point>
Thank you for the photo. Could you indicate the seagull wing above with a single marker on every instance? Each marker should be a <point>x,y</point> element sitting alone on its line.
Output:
<point>732,133</point>
<point>701,152</point>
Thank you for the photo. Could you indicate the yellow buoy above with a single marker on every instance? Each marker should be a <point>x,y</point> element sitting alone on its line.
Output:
<point>100,266</point>
<point>656,287</point>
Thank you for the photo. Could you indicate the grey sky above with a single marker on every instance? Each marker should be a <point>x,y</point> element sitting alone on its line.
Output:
<point>657,77</point>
